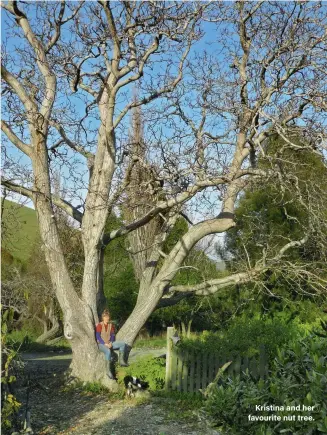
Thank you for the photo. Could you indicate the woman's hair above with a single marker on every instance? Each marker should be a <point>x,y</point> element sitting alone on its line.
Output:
<point>105,313</point>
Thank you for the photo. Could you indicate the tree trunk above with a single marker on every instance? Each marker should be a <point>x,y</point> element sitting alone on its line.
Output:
<point>55,326</point>
<point>101,300</point>
<point>140,314</point>
<point>48,335</point>
<point>97,207</point>
<point>88,363</point>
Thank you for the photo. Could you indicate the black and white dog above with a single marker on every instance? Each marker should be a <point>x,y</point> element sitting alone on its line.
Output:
<point>134,385</point>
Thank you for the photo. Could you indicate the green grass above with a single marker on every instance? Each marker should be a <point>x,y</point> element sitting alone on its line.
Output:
<point>152,369</point>
<point>25,342</point>
<point>150,343</point>
<point>20,230</point>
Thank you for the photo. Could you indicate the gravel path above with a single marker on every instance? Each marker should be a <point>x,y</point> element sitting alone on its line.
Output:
<point>126,418</point>
<point>56,409</point>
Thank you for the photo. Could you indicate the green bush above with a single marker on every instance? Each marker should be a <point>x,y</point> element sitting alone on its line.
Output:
<point>244,338</point>
<point>298,377</point>
<point>21,338</point>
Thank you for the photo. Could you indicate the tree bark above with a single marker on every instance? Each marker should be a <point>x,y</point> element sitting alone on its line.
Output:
<point>88,363</point>
<point>97,206</point>
<point>101,300</point>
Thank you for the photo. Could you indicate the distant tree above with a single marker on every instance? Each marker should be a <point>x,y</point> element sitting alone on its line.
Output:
<point>269,217</point>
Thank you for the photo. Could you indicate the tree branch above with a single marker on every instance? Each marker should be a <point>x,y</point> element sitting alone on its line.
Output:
<point>70,143</point>
<point>212,286</point>
<point>156,94</point>
<point>42,63</point>
<point>114,35</point>
<point>59,202</point>
<point>12,81</point>
<point>139,74</point>
<point>162,206</point>
<point>59,22</point>
<point>25,148</point>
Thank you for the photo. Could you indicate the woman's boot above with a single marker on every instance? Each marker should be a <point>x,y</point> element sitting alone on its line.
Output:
<point>109,372</point>
<point>123,357</point>
<point>122,361</point>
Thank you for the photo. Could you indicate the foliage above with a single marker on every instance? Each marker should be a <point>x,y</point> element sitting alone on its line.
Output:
<point>120,286</point>
<point>262,219</point>
<point>244,338</point>
<point>152,370</point>
<point>270,217</point>
<point>179,229</point>
<point>9,404</point>
<point>298,377</point>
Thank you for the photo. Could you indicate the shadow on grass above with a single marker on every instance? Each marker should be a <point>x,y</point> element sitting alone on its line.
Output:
<point>28,345</point>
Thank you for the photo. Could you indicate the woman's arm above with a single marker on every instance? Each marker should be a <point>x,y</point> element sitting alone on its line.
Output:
<point>112,333</point>
<point>98,334</point>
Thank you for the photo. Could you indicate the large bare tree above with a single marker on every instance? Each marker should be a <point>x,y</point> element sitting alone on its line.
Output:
<point>209,113</point>
<point>106,48</point>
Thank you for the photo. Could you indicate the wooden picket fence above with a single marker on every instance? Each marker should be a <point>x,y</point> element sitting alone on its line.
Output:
<point>188,372</point>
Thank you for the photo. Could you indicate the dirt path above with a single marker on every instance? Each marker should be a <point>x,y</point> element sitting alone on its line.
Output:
<point>59,409</point>
<point>127,418</point>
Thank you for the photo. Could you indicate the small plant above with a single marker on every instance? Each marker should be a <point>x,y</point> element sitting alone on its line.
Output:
<point>9,404</point>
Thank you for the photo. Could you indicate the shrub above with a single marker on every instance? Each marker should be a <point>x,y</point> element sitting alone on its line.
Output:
<point>298,377</point>
<point>9,362</point>
<point>244,338</point>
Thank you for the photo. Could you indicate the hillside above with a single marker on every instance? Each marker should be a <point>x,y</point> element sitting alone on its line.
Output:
<point>19,230</point>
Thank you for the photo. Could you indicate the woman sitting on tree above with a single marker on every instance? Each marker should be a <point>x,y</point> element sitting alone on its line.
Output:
<point>105,336</point>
